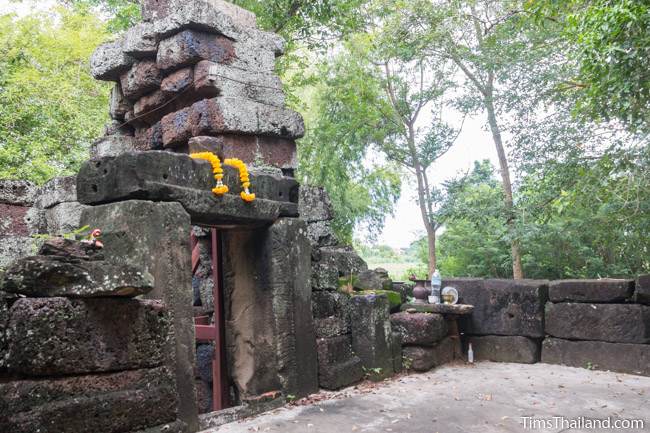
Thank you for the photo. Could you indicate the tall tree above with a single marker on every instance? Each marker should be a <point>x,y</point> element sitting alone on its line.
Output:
<point>484,39</point>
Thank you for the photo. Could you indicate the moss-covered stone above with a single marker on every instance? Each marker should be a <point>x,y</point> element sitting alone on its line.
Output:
<point>394,298</point>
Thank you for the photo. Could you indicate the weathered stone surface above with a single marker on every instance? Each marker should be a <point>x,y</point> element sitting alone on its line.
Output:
<point>343,259</point>
<point>140,41</point>
<point>143,77</point>
<point>54,336</point>
<point>56,191</point>
<point>321,234</point>
<point>328,304</point>
<point>12,220</point>
<point>396,349</point>
<point>155,238</point>
<point>64,218</point>
<point>324,276</point>
<point>599,355</point>
<point>315,204</point>
<point>252,149</point>
<point>177,426</point>
<point>616,323</point>
<point>189,47</point>
<point>337,365</point>
<point>257,51</point>
<point>331,311</point>
<point>148,138</point>
<point>116,402</point>
<point>505,349</point>
<point>45,276</point>
<point>113,145</point>
<point>330,327</point>
<point>642,290</point>
<point>503,307</point>
<point>178,81</point>
<point>421,358</point>
<point>371,332</point>
<point>118,104</point>
<point>419,328</point>
<point>604,290</point>
<point>108,61</point>
<point>176,15</point>
<point>17,192</point>
<point>166,176</point>
<point>455,309</point>
<point>237,83</point>
<point>159,9</point>
<point>230,115</point>
<point>368,280</point>
<point>4,318</point>
<point>64,247</point>
<point>16,247</point>
<point>269,327</point>
<point>151,107</point>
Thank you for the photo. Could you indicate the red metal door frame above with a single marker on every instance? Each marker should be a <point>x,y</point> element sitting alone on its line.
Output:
<point>214,333</point>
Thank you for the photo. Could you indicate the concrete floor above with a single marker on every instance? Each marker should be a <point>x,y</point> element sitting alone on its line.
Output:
<point>486,397</point>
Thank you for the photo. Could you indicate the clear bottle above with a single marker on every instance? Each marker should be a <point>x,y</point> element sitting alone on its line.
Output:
<point>470,354</point>
<point>436,284</point>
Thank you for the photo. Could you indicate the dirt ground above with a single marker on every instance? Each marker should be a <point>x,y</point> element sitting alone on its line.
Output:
<point>484,397</point>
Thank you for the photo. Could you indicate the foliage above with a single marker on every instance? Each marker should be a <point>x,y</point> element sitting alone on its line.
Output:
<point>594,229</point>
<point>122,13</point>
<point>610,42</point>
<point>50,107</point>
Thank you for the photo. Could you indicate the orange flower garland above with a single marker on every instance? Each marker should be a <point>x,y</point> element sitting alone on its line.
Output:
<point>222,189</point>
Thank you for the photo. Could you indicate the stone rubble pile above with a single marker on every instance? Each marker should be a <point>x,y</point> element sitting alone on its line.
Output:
<point>73,341</point>
<point>350,307</point>
<point>198,76</point>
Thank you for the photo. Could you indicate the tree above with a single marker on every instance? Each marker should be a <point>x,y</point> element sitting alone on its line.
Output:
<point>609,42</point>
<point>50,107</point>
<point>476,35</point>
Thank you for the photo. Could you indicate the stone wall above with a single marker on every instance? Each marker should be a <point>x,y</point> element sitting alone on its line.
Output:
<point>356,335</point>
<point>27,210</point>
<point>77,352</point>
<point>600,324</point>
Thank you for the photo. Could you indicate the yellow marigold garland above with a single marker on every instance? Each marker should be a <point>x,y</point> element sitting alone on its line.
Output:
<point>244,177</point>
<point>222,189</point>
<point>214,160</point>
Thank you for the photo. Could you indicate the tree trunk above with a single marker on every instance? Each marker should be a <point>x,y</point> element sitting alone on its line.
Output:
<point>422,201</point>
<point>517,269</point>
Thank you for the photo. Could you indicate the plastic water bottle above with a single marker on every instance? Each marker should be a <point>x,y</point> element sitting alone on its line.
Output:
<point>436,284</point>
<point>470,354</point>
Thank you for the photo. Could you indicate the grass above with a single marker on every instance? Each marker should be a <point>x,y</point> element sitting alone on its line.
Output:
<point>395,270</point>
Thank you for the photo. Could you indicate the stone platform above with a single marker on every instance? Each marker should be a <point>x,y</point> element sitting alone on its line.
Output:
<point>486,397</point>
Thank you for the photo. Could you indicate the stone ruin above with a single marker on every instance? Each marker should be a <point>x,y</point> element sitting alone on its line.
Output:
<point>111,339</point>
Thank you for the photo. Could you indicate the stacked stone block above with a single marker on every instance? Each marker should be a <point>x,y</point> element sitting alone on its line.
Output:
<point>83,357</point>
<point>596,324</point>
<point>507,324</point>
<point>196,69</point>
<point>424,338</point>
<point>353,330</point>
<point>17,221</point>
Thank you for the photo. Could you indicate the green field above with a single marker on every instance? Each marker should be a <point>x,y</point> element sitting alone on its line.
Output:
<point>396,270</point>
